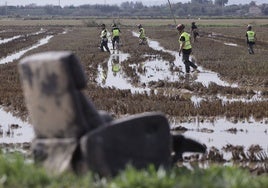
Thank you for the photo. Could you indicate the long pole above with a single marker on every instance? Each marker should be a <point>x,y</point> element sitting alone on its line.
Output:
<point>172,12</point>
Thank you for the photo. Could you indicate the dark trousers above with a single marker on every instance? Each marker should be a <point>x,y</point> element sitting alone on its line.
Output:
<point>115,39</point>
<point>186,60</point>
<point>195,33</point>
<point>104,43</point>
<point>143,41</point>
<point>250,47</point>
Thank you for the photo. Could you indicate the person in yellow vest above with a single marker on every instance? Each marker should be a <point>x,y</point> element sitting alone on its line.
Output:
<point>104,38</point>
<point>115,35</point>
<point>142,36</point>
<point>185,48</point>
<point>251,38</point>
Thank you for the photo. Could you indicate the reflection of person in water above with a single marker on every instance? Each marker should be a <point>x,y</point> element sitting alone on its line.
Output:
<point>104,73</point>
<point>115,64</point>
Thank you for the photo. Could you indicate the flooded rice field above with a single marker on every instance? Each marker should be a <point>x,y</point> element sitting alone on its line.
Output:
<point>224,105</point>
<point>15,134</point>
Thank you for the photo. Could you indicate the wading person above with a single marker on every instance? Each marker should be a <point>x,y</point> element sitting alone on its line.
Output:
<point>194,31</point>
<point>115,35</point>
<point>251,38</point>
<point>104,39</point>
<point>142,37</point>
<point>185,48</point>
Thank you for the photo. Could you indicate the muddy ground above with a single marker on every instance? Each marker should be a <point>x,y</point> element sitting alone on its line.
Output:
<point>233,64</point>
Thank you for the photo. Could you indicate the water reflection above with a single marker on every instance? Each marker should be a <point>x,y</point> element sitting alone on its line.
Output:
<point>22,133</point>
<point>204,77</point>
<point>230,44</point>
<point>116,64</point>
<point>215,133</point>
<point>156,69</point>
<point>17,55</point>
<point>6,40</point>
<point>3,41</point>
<point>112,75</point>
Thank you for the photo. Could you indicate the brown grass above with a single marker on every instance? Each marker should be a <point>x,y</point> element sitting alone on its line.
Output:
<point>232,63</point>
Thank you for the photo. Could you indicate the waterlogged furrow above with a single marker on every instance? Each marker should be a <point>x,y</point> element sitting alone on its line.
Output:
<point>6,40</point>
<point>17,55</point>
<point>3,41</point>
<point>219,132</point>
<point>156,71</point>
<point>14,130</point>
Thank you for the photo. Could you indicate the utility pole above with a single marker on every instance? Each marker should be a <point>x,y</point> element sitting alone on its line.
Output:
<point>6,8</point>
<point>222,7</point>
<point>172,13</point>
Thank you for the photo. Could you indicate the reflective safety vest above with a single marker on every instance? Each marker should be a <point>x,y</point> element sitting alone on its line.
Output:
<point>187,41</point>
<point>116,67</point>
<point>116,32</point>
<point>142,33</point>
<point>251,36</point>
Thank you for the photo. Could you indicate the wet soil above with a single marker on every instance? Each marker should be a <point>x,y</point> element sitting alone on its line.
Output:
<point>84,43</point>
<point>233,64</point>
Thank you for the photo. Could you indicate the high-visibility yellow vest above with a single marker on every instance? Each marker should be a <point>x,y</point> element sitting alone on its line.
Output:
<point>115,32</point>
<point>116,67</point>
<point>187,41</point>
<point>142,33</point>
<point>251,36</point>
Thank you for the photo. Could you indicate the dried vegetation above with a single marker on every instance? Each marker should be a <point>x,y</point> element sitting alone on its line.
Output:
<point>232,63</point>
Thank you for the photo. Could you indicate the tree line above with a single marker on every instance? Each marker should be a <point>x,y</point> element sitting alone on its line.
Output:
<point>137,9</point>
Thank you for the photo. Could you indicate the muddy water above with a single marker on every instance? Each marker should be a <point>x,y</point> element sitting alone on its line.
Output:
<point>230,44</point>
<point>204,77</point>
<point>215,134</point>
<point>12,129</point>
<point>17,55</point>
<point>159,69</point>
<point>6,40</point>
<point>218,132</point>
<point>22,131</point>
<point>156,69</point>
<point>111,75</point>
<point>3,41</point>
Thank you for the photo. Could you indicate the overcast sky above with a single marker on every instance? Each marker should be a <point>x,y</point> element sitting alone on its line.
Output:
<point>118,2</point>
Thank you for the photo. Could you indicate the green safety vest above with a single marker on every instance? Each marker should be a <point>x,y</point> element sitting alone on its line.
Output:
<point>115,32</point>
<point>187,45</point>
<point>251,36</point>
<point>142,33</point>
<point>116,67</point>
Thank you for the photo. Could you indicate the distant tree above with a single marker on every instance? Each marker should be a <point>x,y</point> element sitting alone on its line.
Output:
<point>265,9</point>
<point>135,8</point>
<point>252,3</point>
<point>220,2</point>
<point>201,1</point>
<point>127,5</point>
<point>138,5</point>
